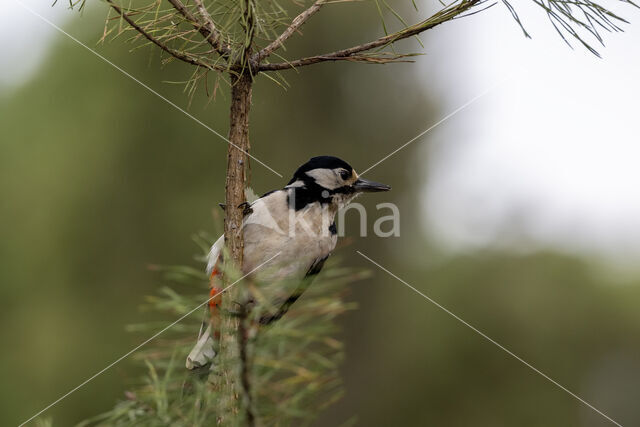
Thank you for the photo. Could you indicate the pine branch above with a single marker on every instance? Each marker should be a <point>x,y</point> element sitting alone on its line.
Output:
<point>351,54</point>
<point>176,54</point>
<point>213,36</point>
<point>295,26</point>
<point>288,372</point>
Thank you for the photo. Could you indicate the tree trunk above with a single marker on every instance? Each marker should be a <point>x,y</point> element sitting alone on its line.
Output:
<point>237,166</point>
<point>237,162</point>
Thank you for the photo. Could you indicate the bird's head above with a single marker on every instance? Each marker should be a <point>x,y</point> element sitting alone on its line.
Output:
<point>328,179</point>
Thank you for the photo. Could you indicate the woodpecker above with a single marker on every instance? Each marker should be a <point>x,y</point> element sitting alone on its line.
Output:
<point>289,234</point>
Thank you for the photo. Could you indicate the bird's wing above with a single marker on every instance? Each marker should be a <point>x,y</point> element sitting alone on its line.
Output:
<point>313,271</point>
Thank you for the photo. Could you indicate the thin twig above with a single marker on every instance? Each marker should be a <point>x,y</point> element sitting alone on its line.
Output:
<point>176,54</point>
<point>438,18</point>
<point>295,25</point>
<point>214,35</point>
<point>211,35</point>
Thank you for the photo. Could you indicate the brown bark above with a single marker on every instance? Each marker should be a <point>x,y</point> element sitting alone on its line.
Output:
<point>237,163</point>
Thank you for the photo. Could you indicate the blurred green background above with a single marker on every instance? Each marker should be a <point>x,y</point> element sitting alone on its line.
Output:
<point>99,178</point>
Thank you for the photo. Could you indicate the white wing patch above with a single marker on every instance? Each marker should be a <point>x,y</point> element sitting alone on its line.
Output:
<point>214,254</point>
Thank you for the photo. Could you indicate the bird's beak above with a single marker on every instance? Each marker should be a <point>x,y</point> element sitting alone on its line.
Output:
<point>366,186</point>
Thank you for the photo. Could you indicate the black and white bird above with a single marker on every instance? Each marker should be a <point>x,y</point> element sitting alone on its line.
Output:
<point>288,233</point>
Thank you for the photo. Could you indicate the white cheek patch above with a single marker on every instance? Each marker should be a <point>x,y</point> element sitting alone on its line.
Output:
<point>326,178</point>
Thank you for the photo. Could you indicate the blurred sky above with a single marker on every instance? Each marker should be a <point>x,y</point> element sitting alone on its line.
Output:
<point>550,155</point>
<point>19,61</point>
<point>547,158</point>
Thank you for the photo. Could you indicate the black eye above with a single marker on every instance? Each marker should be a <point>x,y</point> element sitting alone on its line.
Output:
<point>345,175</point>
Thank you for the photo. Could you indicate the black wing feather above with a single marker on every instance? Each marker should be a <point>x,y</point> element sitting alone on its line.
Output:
<point>304,285</point>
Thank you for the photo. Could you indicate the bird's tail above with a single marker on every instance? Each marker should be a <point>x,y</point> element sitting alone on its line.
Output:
<point>204,350</point>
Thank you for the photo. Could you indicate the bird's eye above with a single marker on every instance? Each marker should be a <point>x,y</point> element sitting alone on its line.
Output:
<point>344,174</point>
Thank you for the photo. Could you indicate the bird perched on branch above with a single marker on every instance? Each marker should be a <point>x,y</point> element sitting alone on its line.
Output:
<point>295,223</point>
